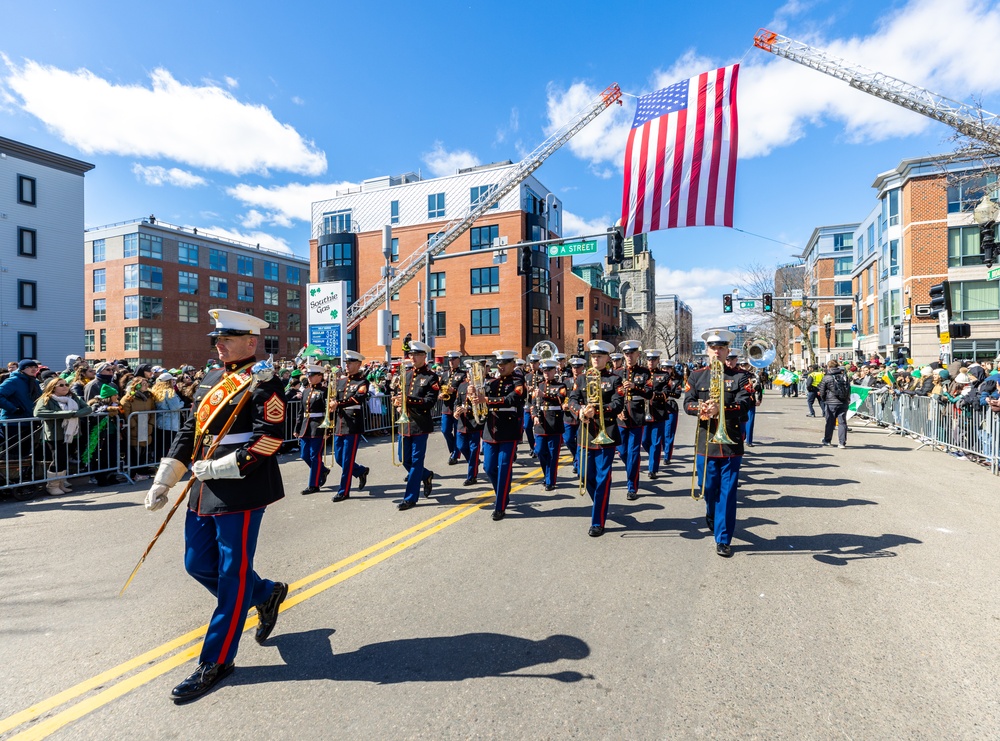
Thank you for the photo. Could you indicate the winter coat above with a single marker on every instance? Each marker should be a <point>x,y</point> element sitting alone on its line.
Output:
<point>140,426</point>
<point>169,417</point>
<point>827,392</point>
<point>18,395</point>
<point>53,416</point>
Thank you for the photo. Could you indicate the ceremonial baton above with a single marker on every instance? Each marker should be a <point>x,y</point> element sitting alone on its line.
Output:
<point>260,371</point>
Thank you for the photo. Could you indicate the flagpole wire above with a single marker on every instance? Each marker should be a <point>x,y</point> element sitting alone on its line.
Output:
<point>769,239</point>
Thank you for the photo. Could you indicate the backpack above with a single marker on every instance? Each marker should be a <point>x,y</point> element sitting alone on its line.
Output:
<point>841,388</point>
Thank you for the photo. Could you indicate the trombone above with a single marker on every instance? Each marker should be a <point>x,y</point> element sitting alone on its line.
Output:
<point>594,399</point>
<point>716,393</point>
<point>326,424</point>
<point>402,419</point>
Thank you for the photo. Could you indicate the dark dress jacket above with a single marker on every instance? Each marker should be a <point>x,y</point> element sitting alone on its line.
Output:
<point>736,403</point>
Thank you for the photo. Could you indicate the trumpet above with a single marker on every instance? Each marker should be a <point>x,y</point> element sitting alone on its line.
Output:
<point>595,399</point>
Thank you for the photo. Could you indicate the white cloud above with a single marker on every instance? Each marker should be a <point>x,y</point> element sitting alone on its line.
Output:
<point>258,238</point>
<point>156,175</point>
<point>200,125</point>
<point>924,43</point>
<point>574,225</point>
<point>513,124</point>
<point>442,162</point>
<point>283,204</point>
<point>701,289</point>
<point>231,82</point>
<point>297,100</point>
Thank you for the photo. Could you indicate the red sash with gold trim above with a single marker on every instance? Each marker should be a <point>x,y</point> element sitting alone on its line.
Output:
<point>220,395</point>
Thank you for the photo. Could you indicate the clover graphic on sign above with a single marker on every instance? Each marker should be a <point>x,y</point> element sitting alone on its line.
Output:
<point>313,291</point>
<point>333,313</point>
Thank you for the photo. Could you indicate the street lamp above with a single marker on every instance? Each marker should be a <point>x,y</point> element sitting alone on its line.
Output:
<point>827,324</point>
<point>985,214</point>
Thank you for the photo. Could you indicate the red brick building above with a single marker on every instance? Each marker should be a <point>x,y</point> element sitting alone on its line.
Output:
<point>592,306</point>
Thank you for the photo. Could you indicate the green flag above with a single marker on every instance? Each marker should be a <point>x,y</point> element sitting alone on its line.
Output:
<point>858,396</point>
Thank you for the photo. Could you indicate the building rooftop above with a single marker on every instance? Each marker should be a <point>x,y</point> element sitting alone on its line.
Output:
<point>43,157</point>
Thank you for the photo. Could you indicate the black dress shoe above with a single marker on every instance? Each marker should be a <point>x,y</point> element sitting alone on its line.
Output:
<point>405,505</point>
<point>654,475</point>
<point>723,550</point>
<point>267,613</point>
<point>470,482</point>
<point>710,522</point>
<point>428,483</point>
<point>205,677</point>
<point>596,531</point>
<point>340,497</point>
<point>362,480</point>
<point>632,496</point>
<point>310,490</point>
<point>452,461</point>
<point>550,487</point>
<point>322,478</point>
<point>498,515</point>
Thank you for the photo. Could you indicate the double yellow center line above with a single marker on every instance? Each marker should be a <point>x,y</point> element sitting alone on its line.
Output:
<point>172,654</point>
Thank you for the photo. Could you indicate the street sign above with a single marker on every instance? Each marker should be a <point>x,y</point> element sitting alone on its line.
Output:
<point>922,310</point>
<point>797,297</point>
<point>325,316</point>
<point>747,304</point>
<point>945,338</point>
<point>569,249</point>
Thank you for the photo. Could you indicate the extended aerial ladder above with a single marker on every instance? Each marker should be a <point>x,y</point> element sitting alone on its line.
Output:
<point>966,119</point>
<point>410,266</point>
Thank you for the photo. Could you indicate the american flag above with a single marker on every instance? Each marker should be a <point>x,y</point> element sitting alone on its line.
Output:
<point>680,162</point>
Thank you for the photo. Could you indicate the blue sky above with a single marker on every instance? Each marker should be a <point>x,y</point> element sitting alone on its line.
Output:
<point>234,117</point>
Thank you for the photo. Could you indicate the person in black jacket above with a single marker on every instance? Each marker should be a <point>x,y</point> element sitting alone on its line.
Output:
<point>347,410</point>
<point>421,387</point>
<point>835,395</point>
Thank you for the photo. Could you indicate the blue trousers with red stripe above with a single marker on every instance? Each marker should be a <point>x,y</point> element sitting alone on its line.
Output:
<point>498,463</point>
<point>311,450</point>
<point>219,552</point>
<point>652,443</point>
<point>547,449</point>
<point>748,425</point>
<point>629,451</point>
<point>448,428</point>
<point>721,476</point>
<point>414,450</point>
<point>570,441</point>
<point>599,462</point>
<point>669,435</point>
<point>528,427</point>
<point>468,445</point>
<point>345,450</point>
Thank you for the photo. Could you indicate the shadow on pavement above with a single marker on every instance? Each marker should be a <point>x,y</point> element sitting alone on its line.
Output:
<point>746,499</point>
<point>14,508</point>
<point>834,549</point>
<point>308,656</point>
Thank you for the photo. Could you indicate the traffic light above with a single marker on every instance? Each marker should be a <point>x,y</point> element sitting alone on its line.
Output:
<point>959,331</point>
<point>987,245</point>
<point>897,334</point>
<point>940,298</point>
<point>768,302</point>
<point>616,246</point>
<point>524,259</point>
<point>727,303</point>
<point>579,346</point>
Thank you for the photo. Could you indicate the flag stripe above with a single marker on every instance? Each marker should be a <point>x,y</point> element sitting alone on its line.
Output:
<point>731,143</point>
<point>661,144</point>
<point>697,152</point>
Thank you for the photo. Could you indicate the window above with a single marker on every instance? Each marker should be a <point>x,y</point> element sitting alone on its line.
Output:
<point>270,295</point>
<point>843,265</point>
<point>843,242</point>
<point>540,322</point>
<point>272,344</point>
<point>965,194</point>
<point>100,309</point>
<point>244,265</point>
<point>540,280</point>
<point>479,191</point>
<point>88,340</point>
<point>273,318</point>
<point>293,275</point>
<point>131,276</point>
<point>100,280</point>
<point>395,326</point>
<point>893,256</point>
<point>843,338</point>
<point>579,326</point>
<point>579,303</point>
<point>26,190</point>
<point>188,311</point>
<point>440,324</point>
<point>486,321</point>
<point>558,289</point>
<point>150,277</point>
<point>433,237</point>
<point>871,319</point>
<point>244,291</point>
<point>292,300</point>
<point>27,242</point>
<point>131,307</point>
<point>337,221</point>
<point>104,340</point>
<point>435,206</point>
<point>883,310</point>
<point>131,339</point>
<point>871,238</point>
<point>436,289</point>
<point>27,345</point>
<point>294,322</point>
<point>963,246</point>
<point>394,212</point>
<point>151,338</point>
<point>895,307</point>
<point>871,279</point>
<point>218,287</point>
<point>151,246</point>
<point>218,260</point>
<point>187,253</point>
<point>131,245</point>
<point>394,250</point>
<point>975,300</point>
<point>187,282</point>
<point>482,236</point>
<point>843,314</point>
<point>485,280</point>
<point>893,198</point>
<point>150,307</point>
<point>336,255</point>
<point>842,288</point>
<point>97,250</point>
<point>27,294</point>
<point>270,271</point>
<point>861,247</point>
<point>597,303</point>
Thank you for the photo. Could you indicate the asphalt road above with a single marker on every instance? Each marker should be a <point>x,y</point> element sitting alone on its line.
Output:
<point>861,602</point>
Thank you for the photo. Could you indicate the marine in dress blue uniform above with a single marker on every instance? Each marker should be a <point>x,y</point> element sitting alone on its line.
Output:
<point>468,432</point>
<point>571,423</point>
<point>504,397</point>
<point>311,435</point>
<point>532,375</point>
<point>228,499</point>
<point>659,412</point>
<point>678,379</point>
<point>451,379</point>
<point>599,457</point>
<point>347,410</point>
<point>632,420</point>
<point>718,464</point>
<point>548,404</point>
<point>421,386</point>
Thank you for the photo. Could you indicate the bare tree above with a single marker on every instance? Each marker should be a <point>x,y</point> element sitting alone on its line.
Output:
<point>777,325</point>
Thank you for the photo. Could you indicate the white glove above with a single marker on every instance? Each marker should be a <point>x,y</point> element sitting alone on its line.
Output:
<point>224,468</point>
<point>168,474</point>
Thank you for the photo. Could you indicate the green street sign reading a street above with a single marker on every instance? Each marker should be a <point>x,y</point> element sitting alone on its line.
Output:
<point>747,304</point>
<point>569,249</point>
<point>993,273</point>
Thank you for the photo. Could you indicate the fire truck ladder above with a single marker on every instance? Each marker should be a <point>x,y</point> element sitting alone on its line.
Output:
<point>966,119</point>
<point>409,267</point>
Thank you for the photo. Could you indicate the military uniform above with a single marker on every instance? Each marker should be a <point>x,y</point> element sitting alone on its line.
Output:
<point>547,409</point>
<point>531,379</point>
<point>468,434</point>
<point>451,379</point>
<point>631,423</point>
<point>349,425</point>
<point>571,423</point>
<point>505,398</point>
<point>312,437</point>
<point>662,408</point>
<point>421,386</point>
